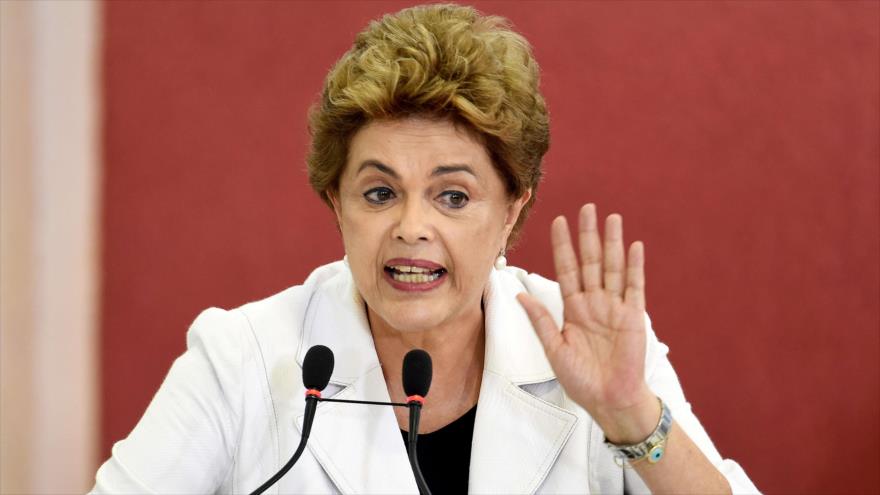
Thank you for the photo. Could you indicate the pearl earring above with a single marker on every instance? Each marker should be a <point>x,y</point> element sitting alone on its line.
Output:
<point>500,262</point>
<point>345,260</point>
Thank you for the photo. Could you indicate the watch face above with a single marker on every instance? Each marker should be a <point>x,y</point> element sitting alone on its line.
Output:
<point>655,454</point>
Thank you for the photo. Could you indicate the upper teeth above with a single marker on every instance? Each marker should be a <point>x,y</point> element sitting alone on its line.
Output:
<point>410,269</point>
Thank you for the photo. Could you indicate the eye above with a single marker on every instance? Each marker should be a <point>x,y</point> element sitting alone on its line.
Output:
<point>454,199</point>
<point>379,195</point>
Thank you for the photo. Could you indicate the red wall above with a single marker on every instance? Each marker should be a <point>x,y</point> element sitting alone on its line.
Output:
<point>739,140</point>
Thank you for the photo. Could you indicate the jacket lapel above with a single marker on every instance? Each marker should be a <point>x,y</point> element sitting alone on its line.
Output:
<point>517,435</point>
<point>359,446</point>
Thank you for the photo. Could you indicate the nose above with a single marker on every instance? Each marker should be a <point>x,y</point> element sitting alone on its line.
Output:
<point>414,223</point>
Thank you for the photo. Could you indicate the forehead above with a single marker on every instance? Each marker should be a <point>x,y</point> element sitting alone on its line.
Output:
<point>417,145</point>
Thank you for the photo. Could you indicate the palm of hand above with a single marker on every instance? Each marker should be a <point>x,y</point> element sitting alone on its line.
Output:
<point>598,356</point>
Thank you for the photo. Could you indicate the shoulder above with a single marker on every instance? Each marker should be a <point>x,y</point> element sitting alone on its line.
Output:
<point>296,297</point>
<point>532,283</point>
<point>264,321</point>
<point>518,280</point>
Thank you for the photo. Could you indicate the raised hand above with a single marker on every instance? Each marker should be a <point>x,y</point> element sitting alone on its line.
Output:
<point>599,354</point>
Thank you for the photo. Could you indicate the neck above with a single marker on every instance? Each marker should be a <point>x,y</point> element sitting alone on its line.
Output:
<point>457,351</point>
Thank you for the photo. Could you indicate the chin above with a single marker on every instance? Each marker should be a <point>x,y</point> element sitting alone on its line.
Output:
<point>411,317</point>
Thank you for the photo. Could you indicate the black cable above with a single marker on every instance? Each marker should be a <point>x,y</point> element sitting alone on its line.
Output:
<point>370,402</point>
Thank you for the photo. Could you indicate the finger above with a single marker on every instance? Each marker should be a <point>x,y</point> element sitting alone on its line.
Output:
<point>590,248</point>
<point>542,321</point>
<point>564,259</point>
<point>612,256</point>
<point>635,276</point>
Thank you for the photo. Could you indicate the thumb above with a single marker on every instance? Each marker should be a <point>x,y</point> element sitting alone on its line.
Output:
<point>542,321</point>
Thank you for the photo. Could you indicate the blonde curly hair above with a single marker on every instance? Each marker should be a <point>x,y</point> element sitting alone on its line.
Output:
<point>438,61</point>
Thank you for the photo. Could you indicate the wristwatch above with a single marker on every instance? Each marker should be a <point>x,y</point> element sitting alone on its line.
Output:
<point>652,447</point>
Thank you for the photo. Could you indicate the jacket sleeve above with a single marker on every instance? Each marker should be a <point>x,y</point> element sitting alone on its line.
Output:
<point>663,381</point>
<point>186,440</point>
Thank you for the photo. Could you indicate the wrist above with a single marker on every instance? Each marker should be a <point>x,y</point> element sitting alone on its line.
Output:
<point>652,448</point>
<point>631,424</point>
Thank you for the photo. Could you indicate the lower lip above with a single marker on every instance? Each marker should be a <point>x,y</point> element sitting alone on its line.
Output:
<point>410,287</point>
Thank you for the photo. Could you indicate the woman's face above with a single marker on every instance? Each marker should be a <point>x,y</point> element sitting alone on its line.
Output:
<point>423,215</point>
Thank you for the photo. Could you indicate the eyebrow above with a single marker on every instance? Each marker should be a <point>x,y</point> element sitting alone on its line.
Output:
<point>381,167</point>
<point>440,170</point>
<point>451,169</point>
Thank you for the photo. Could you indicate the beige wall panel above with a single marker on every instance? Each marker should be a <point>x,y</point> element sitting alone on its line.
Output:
<point>16,247</point>
<point>49,273</point>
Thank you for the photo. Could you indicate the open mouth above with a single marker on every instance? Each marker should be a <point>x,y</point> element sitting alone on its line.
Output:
<point>406,274</point>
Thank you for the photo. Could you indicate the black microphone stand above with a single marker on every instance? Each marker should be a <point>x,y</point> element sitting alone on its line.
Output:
<point>412,436</point>
<point>311,404</point>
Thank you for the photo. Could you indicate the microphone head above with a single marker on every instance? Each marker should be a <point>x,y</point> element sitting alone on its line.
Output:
<point>317,367</point>
<point>417,373</point>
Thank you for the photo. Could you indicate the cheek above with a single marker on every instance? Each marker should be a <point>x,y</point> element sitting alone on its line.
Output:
<point>474,247</point>
<point>362,237</point>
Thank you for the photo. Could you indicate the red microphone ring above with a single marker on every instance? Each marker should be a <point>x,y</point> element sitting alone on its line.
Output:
<point>313,393</point>
<point>416,398</point>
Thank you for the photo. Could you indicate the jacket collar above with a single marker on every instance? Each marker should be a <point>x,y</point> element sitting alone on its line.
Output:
<point>512,347</point>
<point>505,456</point>
<point>336,318</point>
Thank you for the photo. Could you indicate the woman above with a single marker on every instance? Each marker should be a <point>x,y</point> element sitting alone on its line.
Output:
<point>427,145</point>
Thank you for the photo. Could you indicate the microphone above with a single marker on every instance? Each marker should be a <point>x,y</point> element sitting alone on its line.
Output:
<point>317,368</point>
<point>417,373</point>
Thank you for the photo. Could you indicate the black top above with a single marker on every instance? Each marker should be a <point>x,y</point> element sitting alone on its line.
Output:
<point>445,454</point>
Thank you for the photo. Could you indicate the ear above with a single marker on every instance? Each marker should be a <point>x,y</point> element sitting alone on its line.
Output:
<point>513,210</point>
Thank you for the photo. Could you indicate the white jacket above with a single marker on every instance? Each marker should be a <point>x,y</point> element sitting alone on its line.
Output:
<point>229,413</point>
